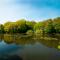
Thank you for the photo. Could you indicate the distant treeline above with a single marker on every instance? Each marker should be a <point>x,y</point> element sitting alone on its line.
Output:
<point>49,26</point>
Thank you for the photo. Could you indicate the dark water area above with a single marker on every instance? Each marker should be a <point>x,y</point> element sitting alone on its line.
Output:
<point>29,47</point>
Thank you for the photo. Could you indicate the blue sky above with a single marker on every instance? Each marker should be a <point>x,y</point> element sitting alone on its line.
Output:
<point>12,10</point>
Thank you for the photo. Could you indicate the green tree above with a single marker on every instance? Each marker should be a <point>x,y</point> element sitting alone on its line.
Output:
<point>30,25</point>
<point>56,22</point>
<point>50,28</point>
<point>10,27</point>
<point>1,28</point>
<point>21,26</point>
<point>39,26</point>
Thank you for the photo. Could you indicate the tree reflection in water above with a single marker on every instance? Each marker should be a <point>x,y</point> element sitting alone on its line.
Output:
<point>14,57</point>
<point>20,39</point>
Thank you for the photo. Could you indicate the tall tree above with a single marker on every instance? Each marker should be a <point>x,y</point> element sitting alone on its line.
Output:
<point>21,26</point>
<point>50,28</point>
<point>1,28</point>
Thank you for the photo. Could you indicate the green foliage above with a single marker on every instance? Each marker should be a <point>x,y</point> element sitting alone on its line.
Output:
<point>39,28</point>
<point>10,27</point>
<point>39,31</point>
<point>30,24</point>
<point>1,28</point>
<point>21,26</point>
<point>56,22</point>
<point>49,26</point>
<point>29,32</point>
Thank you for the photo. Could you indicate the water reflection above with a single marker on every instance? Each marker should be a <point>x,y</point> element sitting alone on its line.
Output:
<point>29,47</point>
<point>18,39</point>
<point>52,42</point>
<point>13,57</point>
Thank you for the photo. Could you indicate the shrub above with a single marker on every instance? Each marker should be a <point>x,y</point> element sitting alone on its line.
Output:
<point>38,31</point>
<point>29,32</point>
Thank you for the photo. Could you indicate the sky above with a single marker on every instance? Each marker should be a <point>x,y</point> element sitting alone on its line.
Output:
<point>36,10</point>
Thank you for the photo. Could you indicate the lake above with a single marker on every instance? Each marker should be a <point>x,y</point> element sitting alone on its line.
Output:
<point>29,47</point>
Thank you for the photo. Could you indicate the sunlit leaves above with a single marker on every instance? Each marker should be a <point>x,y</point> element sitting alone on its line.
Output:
<point>22,26</point>
<point>1,28</point>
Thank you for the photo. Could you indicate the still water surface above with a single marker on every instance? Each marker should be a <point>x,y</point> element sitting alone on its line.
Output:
<point>31,47</point>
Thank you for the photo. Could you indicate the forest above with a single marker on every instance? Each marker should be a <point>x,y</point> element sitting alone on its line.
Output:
<point>49,26</point>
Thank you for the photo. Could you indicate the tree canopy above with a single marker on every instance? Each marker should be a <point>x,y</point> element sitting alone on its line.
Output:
<point>49,26</point>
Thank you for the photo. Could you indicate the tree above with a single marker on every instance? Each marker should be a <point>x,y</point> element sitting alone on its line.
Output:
<point>30,25</point>
<point>10,27</point>
<point>39,26</point>
<point>50,28</point>
<point>21,26</point>
<point>56,22</point>
<point>1,28</point>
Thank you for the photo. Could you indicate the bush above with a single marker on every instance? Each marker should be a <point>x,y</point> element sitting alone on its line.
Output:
<point>29,32</point>
<point>38,31</point>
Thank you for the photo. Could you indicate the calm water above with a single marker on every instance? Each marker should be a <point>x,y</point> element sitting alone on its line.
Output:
<point>29,47</point>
